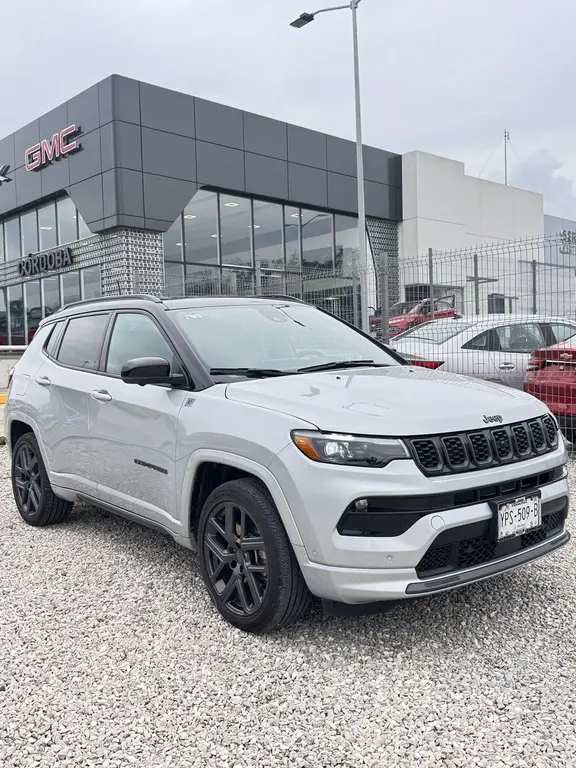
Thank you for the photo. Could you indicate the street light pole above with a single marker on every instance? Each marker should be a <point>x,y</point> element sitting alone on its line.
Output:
<point>302,21</point>
<point>362,247</point>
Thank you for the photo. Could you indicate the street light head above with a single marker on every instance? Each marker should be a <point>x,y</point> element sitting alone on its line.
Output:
<point>302,20</point>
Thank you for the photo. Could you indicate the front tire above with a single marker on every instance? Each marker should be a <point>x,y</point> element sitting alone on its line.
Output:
<point>33,493</point>
<point>246,560</point>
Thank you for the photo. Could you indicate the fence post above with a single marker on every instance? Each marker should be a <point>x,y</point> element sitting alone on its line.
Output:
<point>357,321</point>
<point>384,298</point>
<point>431,280</point>
<point>476,286</point>
<point>534,290</point>
<point>258,279</point>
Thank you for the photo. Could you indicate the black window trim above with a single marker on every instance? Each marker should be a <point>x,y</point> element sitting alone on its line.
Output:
<point>54,325</point>
<point>493,344</point>
<point>108,336</point>
<point>67,321</point>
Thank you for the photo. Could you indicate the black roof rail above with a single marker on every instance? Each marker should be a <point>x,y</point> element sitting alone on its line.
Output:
<point>279,296</point>
<point>127,297</point>
<point>274,296</point>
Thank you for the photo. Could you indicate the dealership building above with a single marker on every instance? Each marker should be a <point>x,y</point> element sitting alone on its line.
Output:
<point>129,187</point>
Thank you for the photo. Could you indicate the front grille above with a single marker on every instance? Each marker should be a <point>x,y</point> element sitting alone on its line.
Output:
<point>427,454</point>
<point>538,436</point>
<point>456,451</point>
<point>522,439</point>
<point>469,451</point>
<point>503,444</point>
<point>476,544</point>
<point>481,450</point>
<point>550,427</point>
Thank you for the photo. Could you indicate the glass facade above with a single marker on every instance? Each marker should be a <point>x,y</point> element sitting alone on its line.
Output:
<point>233,244</point>
<point>40,229</point>
<point>32,301</point>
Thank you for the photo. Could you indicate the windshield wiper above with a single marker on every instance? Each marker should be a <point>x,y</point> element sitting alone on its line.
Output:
<point>342,364</point>
<point>249,373</point>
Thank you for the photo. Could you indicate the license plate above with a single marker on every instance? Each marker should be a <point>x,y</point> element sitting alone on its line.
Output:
<point>518,516</point>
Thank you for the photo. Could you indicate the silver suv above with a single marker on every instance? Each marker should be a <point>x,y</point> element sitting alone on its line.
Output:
<point>297,455</point>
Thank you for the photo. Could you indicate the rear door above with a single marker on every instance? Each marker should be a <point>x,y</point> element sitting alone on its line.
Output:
<point>58,398</point>
<point>476,356</point>
<point>134,429</point>
<point>515,343</point>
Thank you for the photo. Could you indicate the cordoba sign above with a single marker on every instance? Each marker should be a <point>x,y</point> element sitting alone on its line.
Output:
<point>46,262</point>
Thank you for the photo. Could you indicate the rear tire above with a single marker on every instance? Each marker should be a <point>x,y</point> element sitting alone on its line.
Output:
<point>33,493</point>
<point>247,563</point>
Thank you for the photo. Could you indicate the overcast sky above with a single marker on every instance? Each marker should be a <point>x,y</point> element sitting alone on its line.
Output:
<point>442,76</point>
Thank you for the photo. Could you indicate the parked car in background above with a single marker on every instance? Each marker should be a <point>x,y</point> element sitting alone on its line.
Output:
<point>407,314</point>
<point>551,377</point>
<point>495,348</point>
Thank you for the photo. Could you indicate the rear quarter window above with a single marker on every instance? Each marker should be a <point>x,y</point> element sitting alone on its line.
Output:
<point>53,339</point>
<point>82,341</point>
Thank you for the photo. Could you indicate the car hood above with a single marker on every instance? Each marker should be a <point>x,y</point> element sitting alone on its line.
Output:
<point>395,401</point>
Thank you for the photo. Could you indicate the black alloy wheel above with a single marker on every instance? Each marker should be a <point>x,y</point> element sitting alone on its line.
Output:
<point>247,562</point>
<point>27,480</point>
<point>236,558</point>
<point>33,493</point>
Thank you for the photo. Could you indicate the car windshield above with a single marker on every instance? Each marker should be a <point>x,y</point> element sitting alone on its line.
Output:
<point>433,333</point>
<point>285,337</point>
<point>403,308</point>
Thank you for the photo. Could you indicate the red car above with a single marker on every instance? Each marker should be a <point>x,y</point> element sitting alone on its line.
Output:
<point>551,377</point>
<point>407,314</point>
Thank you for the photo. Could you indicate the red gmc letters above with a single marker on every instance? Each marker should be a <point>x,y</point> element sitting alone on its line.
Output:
<point>61,144</point>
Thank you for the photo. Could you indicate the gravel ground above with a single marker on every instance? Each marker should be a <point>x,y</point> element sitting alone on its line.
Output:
<point>112,655</point>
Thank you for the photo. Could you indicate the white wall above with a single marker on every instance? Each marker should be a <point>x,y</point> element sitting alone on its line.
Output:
<point>443,208</point>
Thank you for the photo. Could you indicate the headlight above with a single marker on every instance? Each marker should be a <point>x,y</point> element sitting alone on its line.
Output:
<point>349,450</point>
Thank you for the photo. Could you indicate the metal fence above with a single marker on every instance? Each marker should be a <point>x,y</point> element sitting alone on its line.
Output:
<point>519,277</point>
<point>495,307</point>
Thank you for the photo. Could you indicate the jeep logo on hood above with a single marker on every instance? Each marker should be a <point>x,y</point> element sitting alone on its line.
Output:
<point>493,419</point>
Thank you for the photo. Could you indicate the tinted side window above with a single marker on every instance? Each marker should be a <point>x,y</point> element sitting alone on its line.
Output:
<point>82,341</point>
<point>135,335</point>
<point>52,344</point>
<point>481,342</point>
<point>522,337</point>
<point>562,332</point>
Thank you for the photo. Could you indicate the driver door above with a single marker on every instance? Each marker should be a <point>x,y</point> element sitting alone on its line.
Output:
<point>134,428</point>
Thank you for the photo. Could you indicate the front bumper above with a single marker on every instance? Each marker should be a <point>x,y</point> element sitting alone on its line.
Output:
<point>358,569</point>
<point>366,586</point>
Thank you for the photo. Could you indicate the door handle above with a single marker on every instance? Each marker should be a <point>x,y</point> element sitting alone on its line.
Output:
<point>44,381</point>
<point>507,366</point>
<point>101,395</point>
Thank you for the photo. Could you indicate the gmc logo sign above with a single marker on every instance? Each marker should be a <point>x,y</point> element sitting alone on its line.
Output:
<point>46,262</point>
<point>61,144</point>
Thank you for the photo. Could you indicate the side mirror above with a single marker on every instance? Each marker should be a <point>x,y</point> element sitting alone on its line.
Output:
<point>149,370</point>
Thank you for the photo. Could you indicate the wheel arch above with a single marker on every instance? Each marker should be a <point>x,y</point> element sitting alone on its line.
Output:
<point>208,469</point>
<point>18,424</point>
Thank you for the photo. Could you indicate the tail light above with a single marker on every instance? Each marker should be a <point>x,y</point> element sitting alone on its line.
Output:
<point>432,365</point>
<point>10,376</point>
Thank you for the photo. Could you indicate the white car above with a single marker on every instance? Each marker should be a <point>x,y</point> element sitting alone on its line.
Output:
<point>495,348</point>
<point>296,455</point>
